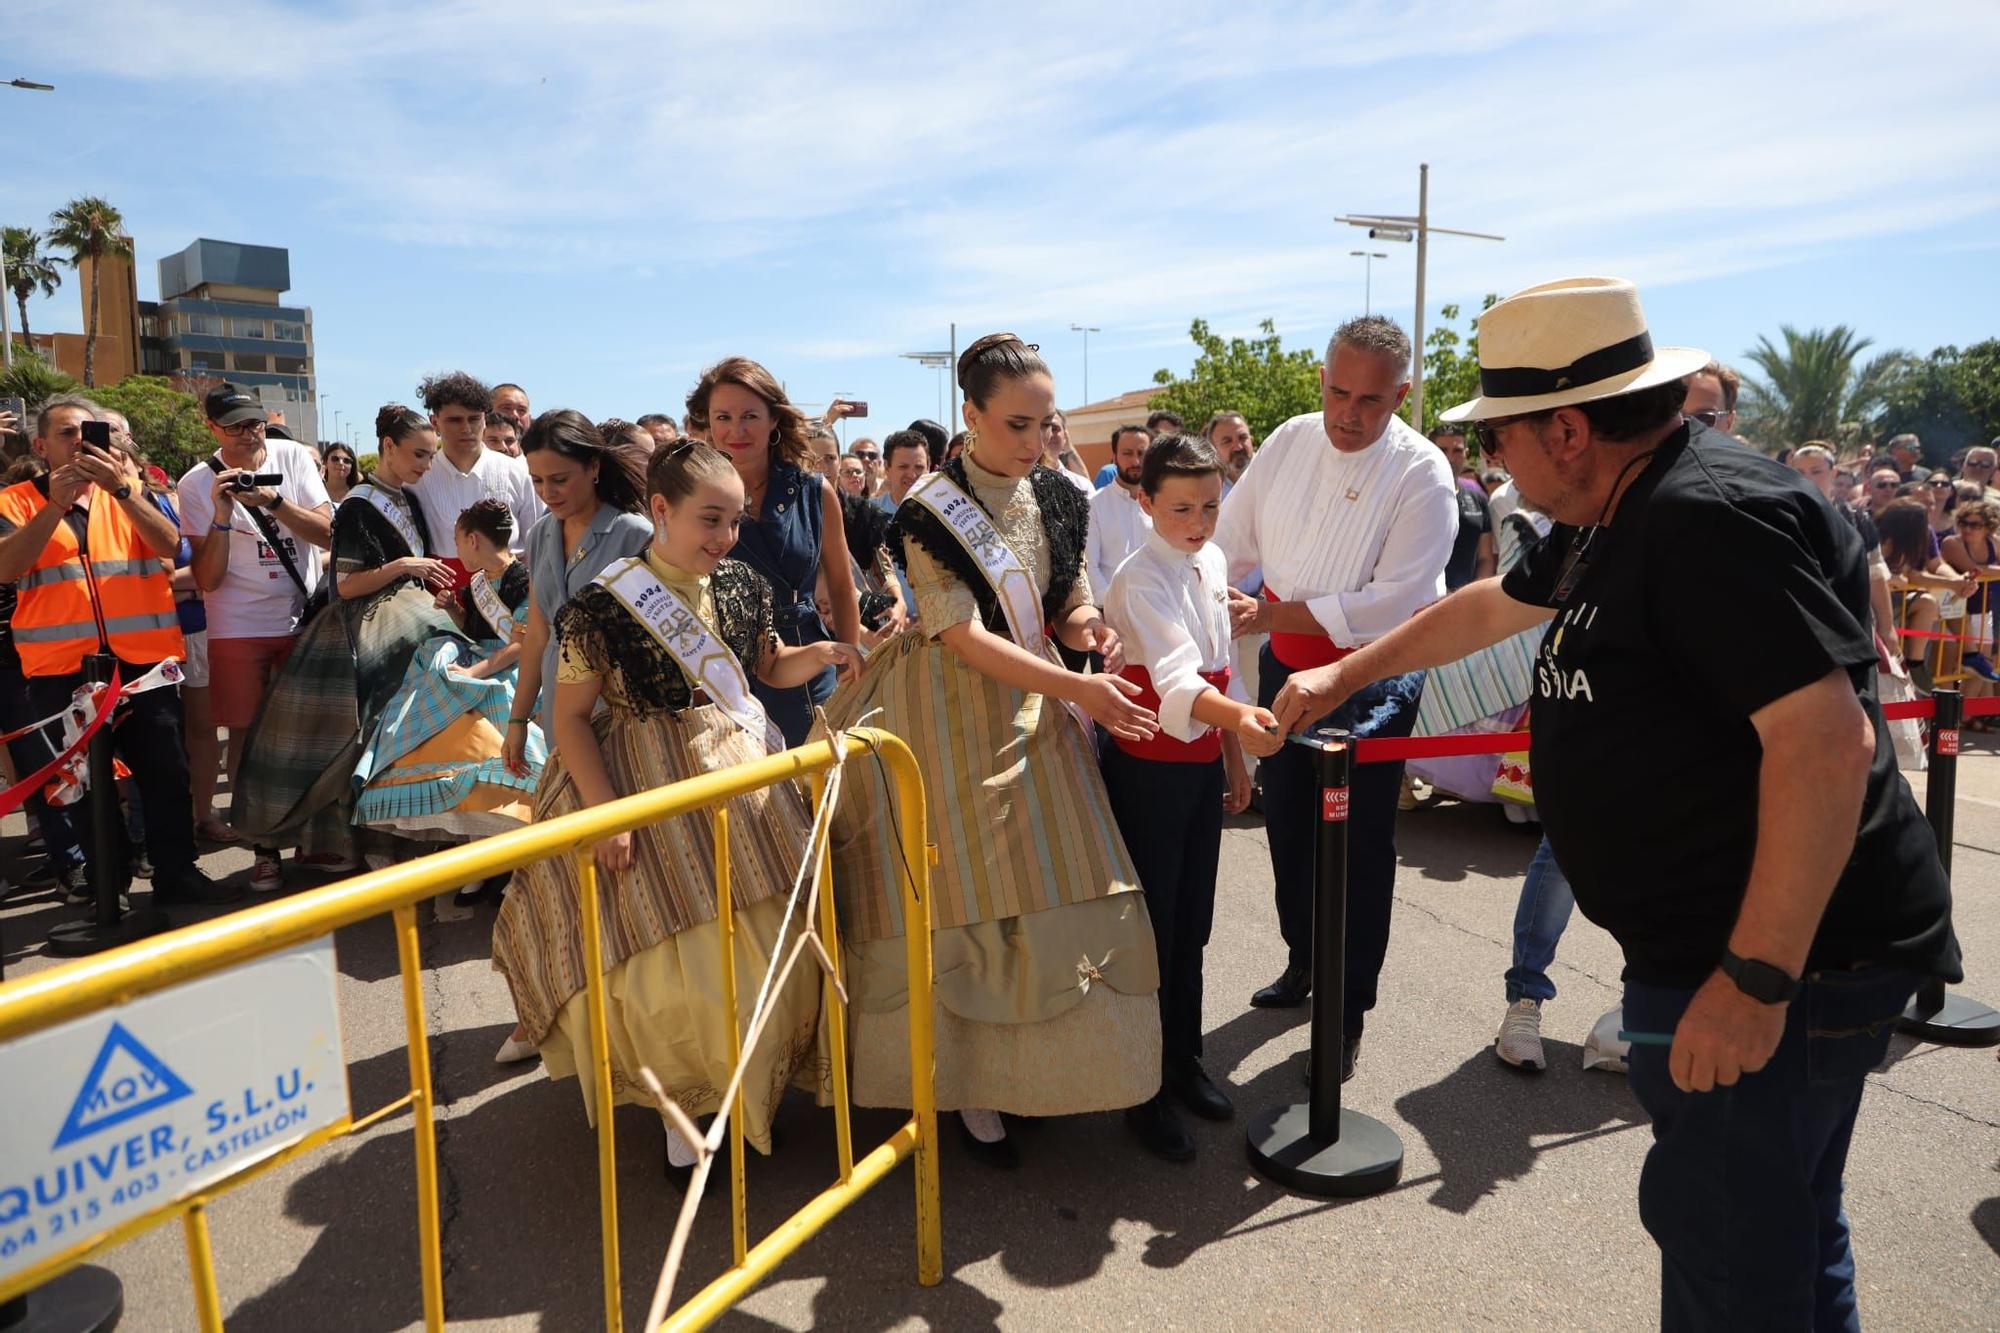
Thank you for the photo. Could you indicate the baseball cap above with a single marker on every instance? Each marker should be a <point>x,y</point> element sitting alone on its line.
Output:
<point>231,404</point>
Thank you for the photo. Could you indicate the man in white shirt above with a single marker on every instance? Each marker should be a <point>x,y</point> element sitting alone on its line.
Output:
<point>465,471</point>
<point>256,558</point>
<point>1118,526</point>
<point>1351,515</point>
<point>1059,455</point>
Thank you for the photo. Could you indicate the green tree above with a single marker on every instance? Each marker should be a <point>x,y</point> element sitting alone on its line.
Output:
<point>1812,388</point>
<point>28,269</point>
<point>1254,376</point>
<point>1451,365</point>
<point>90,228</point>
<point>34,381</point>
<point>168,425</point>
<point>1949,399</point>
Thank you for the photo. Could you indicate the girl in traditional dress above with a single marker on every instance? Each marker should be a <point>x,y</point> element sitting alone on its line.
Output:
<point>297,776</point>
<point>1045,964</point>
<point>432,770</point>
<point>669,641</point>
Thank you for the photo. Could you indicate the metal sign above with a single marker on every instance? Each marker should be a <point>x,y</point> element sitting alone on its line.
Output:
<point>110,1117</point>
<point>1333,805</point>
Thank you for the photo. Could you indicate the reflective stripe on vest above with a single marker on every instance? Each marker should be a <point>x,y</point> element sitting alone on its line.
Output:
<point>55,624</point>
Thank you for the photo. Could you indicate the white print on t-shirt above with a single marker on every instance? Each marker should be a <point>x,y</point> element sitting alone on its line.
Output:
<point>1552,681</point>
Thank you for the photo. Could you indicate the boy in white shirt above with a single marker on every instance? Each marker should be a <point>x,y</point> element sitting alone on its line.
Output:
<point>1169,602</point>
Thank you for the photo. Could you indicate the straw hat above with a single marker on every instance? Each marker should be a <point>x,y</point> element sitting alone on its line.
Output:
<point>1574,340</point>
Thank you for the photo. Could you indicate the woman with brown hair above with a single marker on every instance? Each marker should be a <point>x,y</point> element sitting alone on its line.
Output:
<point>792,531</point>
<point>1045,963</point>
<point>1920,578</point>
<point>338,469</point>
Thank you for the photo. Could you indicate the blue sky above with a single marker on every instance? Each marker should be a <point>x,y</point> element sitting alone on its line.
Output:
<point>598,199</point>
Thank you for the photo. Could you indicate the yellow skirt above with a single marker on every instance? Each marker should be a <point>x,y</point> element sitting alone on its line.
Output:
<point>664,1010</point>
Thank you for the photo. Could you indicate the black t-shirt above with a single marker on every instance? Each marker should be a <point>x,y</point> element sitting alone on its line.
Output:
<point>1475,520</point>
<point>1724,583</point>
<point>1864,526</point>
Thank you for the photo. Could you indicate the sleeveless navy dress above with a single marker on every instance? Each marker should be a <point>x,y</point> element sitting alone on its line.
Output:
<point>783,544</point>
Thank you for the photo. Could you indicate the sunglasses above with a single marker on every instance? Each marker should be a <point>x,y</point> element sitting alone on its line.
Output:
<point>1881,485</point>
<point>242,428</point>
<point>864,455</point>
<point>1972,522</point>
<point>1485,435</point>
<point>1938,485</point>
<point>1707,416</point>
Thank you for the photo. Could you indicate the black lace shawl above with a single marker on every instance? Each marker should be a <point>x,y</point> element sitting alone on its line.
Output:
<point>1065,519</point>
<point>631,660</point>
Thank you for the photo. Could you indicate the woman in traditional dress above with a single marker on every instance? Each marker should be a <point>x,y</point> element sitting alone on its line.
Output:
<point>431,770</point>
<point>594,494</point>
<point>299,761</point>
<point>792,532</point>
<point>646,638</point>
<point>1046,976</point>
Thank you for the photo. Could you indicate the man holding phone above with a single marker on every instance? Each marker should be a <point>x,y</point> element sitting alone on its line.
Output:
<point>258,516</point>
<point>83,546</point>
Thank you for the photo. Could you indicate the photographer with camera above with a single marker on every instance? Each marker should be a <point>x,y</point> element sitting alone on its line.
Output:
<point>83,544</point>
<point>258,515</point>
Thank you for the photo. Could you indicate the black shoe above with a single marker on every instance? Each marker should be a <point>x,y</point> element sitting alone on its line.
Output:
<point>1350,1051</point>
<point>191,888</point>
<point>1191,1086</point>
<point>1155,1125</point>
<point>1001,1156</point>
<point>1289,991</point>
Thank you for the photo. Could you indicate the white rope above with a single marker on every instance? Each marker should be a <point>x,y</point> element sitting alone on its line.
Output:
<point>806,883</point>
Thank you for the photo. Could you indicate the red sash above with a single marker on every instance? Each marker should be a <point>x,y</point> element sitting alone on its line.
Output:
<point>1162,747</point>
<point>1300,651</point>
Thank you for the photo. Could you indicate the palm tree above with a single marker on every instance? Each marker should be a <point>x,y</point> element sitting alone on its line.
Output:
<point>90,229</point>
<point>1812,389</point>
<point>27,269</point>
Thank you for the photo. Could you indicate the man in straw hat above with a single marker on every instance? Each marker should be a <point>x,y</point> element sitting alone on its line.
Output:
<point>1714,777</point>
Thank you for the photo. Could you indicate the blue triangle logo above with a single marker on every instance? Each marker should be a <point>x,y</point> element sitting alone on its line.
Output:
<point>125,1080</point>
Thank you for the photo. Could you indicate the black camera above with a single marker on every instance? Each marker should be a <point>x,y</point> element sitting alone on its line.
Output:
<point>246,481</point>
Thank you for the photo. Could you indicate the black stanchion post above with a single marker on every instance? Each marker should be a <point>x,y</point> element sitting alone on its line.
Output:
<point>108,867</point>
<point>1320,1147</point>
<point>1936,1014</point>
<point>86,1299</point>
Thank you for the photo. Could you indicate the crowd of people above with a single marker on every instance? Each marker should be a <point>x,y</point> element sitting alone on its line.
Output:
<point>507,617</point>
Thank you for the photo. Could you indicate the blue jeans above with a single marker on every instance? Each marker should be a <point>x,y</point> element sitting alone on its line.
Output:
<point>1742,1188</point>
<point>1539,921</point>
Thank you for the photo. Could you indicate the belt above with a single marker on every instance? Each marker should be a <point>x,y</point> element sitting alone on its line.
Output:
<point>1301,652</point>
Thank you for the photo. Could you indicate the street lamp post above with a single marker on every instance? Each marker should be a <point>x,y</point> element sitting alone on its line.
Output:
<point>1403,227</point>
<point>934,361</point>
<point>6,327</point>
<point>1368,258</point>
<point>1086,330</point>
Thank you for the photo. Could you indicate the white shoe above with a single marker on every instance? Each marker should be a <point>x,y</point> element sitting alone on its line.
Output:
<point>1520,1041</point>
<point>514,1050</point>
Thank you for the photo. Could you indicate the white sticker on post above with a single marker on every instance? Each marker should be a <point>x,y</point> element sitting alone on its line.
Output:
<point>112,1115</point>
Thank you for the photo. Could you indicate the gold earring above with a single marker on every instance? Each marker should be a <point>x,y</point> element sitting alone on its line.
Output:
<point>971,439</point>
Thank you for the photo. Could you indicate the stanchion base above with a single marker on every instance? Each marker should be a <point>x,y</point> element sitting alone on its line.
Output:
<point>1959,1022</point>
<point>87,1299</point>
<point>1368,1159</point>
<point>78,938</point>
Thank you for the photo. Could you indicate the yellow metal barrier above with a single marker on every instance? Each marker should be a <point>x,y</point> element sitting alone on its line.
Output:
<point>1946,656</point>
<point>44,999</point>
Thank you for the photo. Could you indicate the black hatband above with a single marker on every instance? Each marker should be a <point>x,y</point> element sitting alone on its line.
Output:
<point>1602,364</point>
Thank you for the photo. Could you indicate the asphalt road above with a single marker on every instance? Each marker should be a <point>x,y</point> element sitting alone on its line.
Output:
<point>1516,1206</point>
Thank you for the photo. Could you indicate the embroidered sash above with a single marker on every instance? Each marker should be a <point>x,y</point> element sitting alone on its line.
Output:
<point>1005,574</point>
<point>703,658</point>
<point>399,517</point>
<point>487,598</point>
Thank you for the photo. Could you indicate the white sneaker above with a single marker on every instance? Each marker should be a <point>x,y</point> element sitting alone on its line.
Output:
<point>1520,1041</point>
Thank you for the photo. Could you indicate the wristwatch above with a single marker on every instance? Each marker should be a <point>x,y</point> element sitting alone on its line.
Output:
<point>1760,980</point>
<point>124,491</point>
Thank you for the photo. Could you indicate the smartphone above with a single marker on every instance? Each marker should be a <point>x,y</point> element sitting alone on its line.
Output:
<point>857,409</point>
<point>19,407</point>
<point>97,433</point>
<point>245,481</point>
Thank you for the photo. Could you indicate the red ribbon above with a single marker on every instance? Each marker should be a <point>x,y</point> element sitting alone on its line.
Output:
<point>14,796</point>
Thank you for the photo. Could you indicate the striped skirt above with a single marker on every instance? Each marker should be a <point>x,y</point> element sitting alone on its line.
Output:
<point>1046,972</point>
<point>664,1002</point>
